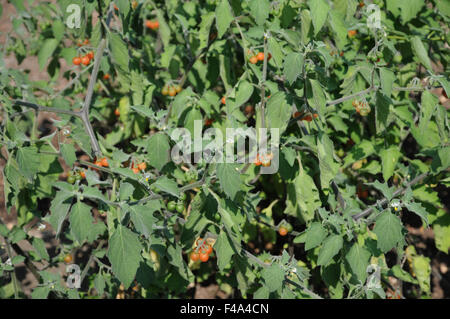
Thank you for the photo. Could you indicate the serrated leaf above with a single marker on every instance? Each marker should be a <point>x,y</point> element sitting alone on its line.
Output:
<point>81,221</point>
<point>28,160</point>
<point>224,250</point>
<point>46,51</point>
<point>158,150</point>
<point>319,12</point>
<point>293,66</point>
<point>167,185</point>
<point>229,178</point>
<point>68,153</point>
<point>419,210</point>
<point>358,260</point>
<point>388,229</point>
<point>420,52</point>
<point>331,246</point>
<point>260,10</point>
<point>273,277</point>
<point>119,51</point>
<point>223,17</point>
<point>315,235</point>
<point>142,217</point>
<point>124,253</point>
<point>389,159</point>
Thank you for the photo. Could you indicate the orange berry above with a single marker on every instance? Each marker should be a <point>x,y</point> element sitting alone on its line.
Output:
<point>172,91</point>
<point>135,170</point>
<point>142,166</point>
<point>296,114</point>
<point>257,162</point>
<point>76,60</point>
<point>195,256</point>
<point>68,258</point>
<point>316,115</point>
<point>209,249</point>
<point>208,122</point>
<point>90,54</point>
<point>253,59</point>
<point>351,33</point>
<point>282,231</point>
<point>260,56</point>
<point>115,8</point>
<point>86,42</point>
<point>269,56</point>
<point>204,257</point>
<point>307,118</point>
<point>82,174</point>
<point>106,76</point>
<point>223,100</point>
<point>104,162</point>
<point>117,112</point>
<point>85,60</point>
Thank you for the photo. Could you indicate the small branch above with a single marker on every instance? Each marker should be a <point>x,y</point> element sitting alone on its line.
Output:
<point>398,192</point>
<point>41,108</point>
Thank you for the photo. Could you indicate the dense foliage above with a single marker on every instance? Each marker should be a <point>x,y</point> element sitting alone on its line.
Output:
<point>364,144</point>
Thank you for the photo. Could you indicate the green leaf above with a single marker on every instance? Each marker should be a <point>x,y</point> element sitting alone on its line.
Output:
<point>124,6</point>
<point>328,167</point>
<point>319,12</point>
<point>382,111</point>
<point>331,246</point>
<point>276,51</point>
<point>316,97</point>
<point>389,159</point>
<point>28,160</point>
<point>81,221</point>
<point>422,268</point>
<point>419,210</point>
<point>59,209</point>
<point>204,29</point>
<point>224,17</point>
<point>124,253</point>
<point>278,111</point>
<point>244,92</point>
<point>39,245</point>
<point>158,149</point>
<point>46,51</point>
<point>164,29</point>
<point>224,250</point>
<point>142,217</point>
<point>167,185</point>
<point>315,235</point>
<point>420,52</point>
<point>119,51</point>
<point>293,66</point>
<point>387,78</point>
<point>229,178</point>
<point>68,153</point>
<point>388,229</point>
<point>260,9</point>
<point>273,277</point>
<point>399,273</point>
<point>358,260</point>
<point>409,9</point>
<point>387,191</point>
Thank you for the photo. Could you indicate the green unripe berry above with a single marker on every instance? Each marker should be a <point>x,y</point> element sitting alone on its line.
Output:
<point>171,206</point>
<point>180,207</point>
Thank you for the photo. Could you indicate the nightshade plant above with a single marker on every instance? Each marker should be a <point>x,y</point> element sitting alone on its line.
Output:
<point>364,147</point>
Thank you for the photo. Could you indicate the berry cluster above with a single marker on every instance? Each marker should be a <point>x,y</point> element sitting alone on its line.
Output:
<point>259,57</point>
<point>362,107</point>
<point>171,90</point>
<point>263,159</point>
<point>85,59</point>
<point>202,251</point>
<point>152,24</point>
